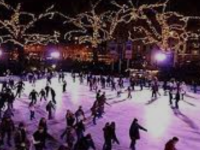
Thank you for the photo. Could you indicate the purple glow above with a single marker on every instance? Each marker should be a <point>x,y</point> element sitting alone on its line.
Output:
<point>1,53</point>
<point>55,55</point>
<point>160,57</point>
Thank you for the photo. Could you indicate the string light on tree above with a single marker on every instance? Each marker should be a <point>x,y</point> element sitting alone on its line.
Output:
<point>18,33</point>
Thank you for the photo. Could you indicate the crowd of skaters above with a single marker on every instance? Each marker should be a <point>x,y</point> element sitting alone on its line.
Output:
<point>75,120</point>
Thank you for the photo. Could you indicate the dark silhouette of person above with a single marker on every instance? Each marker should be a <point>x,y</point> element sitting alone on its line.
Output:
<point>134,133</point>
<point>170,145</point>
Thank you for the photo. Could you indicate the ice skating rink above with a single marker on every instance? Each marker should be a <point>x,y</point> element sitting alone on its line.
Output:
<point>161,121</point>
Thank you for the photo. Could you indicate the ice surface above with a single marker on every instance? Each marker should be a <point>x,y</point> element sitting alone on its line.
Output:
<point>157,116</point>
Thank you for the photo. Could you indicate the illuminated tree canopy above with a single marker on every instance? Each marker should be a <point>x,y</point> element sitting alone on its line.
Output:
<point>153,24</point>
<point>16,28</point>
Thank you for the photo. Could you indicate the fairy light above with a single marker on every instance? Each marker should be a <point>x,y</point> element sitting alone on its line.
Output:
<point>151,33</point>
<point>93,28</point>
<point>18,33</point>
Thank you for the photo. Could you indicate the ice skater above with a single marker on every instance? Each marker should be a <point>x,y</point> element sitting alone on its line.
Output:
<point>53,95</point>
<point>171,144</point>
<point>32,111</point>
<point>42,95</point>
<point>134,133</point>
<point>33,96</point>
<point>64,86</point>
<point>129,93</point>
<point>50,107</point>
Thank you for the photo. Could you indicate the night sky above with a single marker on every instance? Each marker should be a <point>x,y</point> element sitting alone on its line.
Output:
<point>74,6</point>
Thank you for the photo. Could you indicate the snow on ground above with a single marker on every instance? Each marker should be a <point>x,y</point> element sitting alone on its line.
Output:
<point>157,116</point>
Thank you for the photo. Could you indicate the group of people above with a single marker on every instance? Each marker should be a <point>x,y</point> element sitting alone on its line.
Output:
<point>75,122</point>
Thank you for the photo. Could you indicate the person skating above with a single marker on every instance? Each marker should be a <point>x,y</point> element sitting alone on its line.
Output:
<point>171,144</point>
<point>80,129</point>
<point>79,114</point>
<point>101,104</point>
<point>183,88</point>
<point>85,143</point>
<point>132,82</point>
<point>113,85</point>
<point>70,119</point>
<point>177,99</point>
<point>53,95</point>
<point>20,138</point>
<point>43,124</point>
<point>154,90</point>
<point>47,90</point>
<point>170,96</point>
<point>129,93</point>
<point>74,77</point>
<point>11,83</point>
<point>59,77</point>
<point>113,133</point>
<point>42,95</point>
<point>11,99</point>
<point>94,111</point>
<point>20,88</point>
<point>33,96</point>
<point>165,88</point>
<point>69,137</point>
<point>4,86</point>
<point>64,86</point>
<point>32,111</point>
<point>38,139</point>
<point>194,85</point>
<point>48,79</point>
<point>50,107</point>
<point>141,83</point>
<point>7,128</point>
<point>107,137</point>
<point>134,133</point>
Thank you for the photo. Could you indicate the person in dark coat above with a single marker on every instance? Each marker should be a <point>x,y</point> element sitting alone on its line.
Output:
<point>170,95</point>
<point>7,128</point>
<point>47,89</point>
<point>170,145</point>
<point>70,119</point>
<point>11,99</point>
<point>38,139</point>
<point>33,96</point>
<point>79,113</point>
<point>43,125</point>
<point>20,138</point>
<point>20,88</point>
<point>53,95</point>
<point>64,86</point>
<point>50,107</point>
<point>113,132</point>
<point>177,99</point>
<point>69,137</point>
<point>42,95</point>
<point>107,137</point>
<point>85,143</point>
<point>80,129</point>
<point>134,133</point>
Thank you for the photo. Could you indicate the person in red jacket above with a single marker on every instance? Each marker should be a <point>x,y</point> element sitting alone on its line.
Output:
<point>170,145</point>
